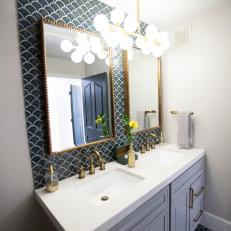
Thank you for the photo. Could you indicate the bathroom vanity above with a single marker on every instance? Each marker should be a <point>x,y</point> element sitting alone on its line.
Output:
<point>164,192</point>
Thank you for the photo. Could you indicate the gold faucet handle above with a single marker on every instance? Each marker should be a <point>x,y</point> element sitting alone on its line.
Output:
<point>142,148</point>
<point>102,164</point>
<point>81,172</point>
<point>152,144</point>
<point>147,146</point>
<point>92,167</point>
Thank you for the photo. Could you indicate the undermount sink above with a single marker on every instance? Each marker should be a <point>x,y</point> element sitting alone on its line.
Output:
<point>109,185</point>
<point>164,157</point>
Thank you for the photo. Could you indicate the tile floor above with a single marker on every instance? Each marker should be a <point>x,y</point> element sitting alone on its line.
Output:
<point>202,228</point>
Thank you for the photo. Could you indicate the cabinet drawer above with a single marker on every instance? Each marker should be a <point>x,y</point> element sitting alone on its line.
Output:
<point>197,188</point>
<point>187,178</point>
<point>156,204</point>
<point>196,212</point>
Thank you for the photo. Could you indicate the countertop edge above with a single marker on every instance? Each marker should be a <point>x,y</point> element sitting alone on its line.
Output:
<point>48,213</point>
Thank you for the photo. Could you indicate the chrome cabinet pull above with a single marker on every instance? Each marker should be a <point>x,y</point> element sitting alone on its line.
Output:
<point>191,192</point>
<point>198,216</point>
<point>199,192</point>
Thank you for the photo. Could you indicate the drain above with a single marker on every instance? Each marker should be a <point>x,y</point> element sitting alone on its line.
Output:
<point>104,198</point>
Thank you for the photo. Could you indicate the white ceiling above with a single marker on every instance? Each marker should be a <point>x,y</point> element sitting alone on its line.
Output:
<point>165,13</point>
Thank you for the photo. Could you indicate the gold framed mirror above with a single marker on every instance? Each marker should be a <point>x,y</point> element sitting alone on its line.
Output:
<point>78,87</point>
<point>142,80</point>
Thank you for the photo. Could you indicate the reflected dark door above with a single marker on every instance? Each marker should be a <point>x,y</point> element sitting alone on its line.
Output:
<point>95,101</point>
<point>77,115</point>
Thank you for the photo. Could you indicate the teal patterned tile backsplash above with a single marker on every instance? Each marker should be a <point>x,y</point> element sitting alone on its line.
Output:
<point>80,14</point>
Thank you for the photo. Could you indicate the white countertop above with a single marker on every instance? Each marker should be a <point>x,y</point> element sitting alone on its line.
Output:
<point>67,208</point>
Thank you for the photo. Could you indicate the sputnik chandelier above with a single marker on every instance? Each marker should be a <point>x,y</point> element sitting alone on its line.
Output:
<point>125,31</point>
<point>85,47</point>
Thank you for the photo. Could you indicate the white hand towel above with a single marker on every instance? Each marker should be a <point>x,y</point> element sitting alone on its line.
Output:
<point>185,130</point>
<point>140,119</point>
<point>150,120</point>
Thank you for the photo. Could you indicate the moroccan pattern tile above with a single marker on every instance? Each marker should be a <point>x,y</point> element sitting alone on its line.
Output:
<point>79,14</point>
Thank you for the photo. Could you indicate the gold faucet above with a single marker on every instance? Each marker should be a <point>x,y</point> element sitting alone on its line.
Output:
<point>102,162</point>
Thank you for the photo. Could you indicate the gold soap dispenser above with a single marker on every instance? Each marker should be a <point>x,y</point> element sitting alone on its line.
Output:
<point>131,157</point>
<point>51,179</point>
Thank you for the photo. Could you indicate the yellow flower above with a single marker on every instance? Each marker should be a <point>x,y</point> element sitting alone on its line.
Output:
<point>133,124</point>
<point>98,120</point>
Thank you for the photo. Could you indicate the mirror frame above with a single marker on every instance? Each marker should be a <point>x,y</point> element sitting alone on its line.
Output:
<point>45,88</point>
<point>127,93</point>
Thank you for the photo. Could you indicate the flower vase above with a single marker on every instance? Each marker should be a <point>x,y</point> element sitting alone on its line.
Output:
<point>131,156</point>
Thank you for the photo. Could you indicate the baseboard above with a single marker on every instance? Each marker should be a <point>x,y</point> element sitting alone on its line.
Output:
<point>215,223</point>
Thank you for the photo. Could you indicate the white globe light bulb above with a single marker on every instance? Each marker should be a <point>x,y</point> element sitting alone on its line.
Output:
<point>102,54</point>
<point>130,24</point>
<point>89,58</point>
<point>151,31</point>
<point>147,48</point>
<point>162,37</point>
<point>112,39</point>
<point>107,61</point>
<point>96,47</point>
<point>157,51</point>
<point>117,16</point>
<point>66,46</point>
<point>105,35</point>
<point>130,55</point>
<point>76,57</point>
<point>84,47</point>
<point>165,45</point>
<point>126,42</point>
<point>140,42</point>
<point>101,22</point>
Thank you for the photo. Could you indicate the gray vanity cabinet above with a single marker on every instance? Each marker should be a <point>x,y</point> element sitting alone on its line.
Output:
<point>153,215</point>
<point>187,199</point>
<point>178,207</point>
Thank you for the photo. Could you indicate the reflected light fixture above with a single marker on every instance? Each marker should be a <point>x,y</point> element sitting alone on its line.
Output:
<point>125,31</point>
<point>85,47</point>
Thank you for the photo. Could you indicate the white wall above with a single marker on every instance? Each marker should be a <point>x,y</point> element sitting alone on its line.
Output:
<point>18,209</point>
<point>199,79</point>
<point>64,67</point>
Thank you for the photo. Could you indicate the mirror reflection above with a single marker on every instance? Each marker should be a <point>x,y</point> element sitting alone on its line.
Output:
<point>78,87</point>
<point>143,90</point>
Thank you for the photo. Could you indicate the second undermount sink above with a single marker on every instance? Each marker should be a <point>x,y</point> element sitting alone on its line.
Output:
<point>109,185</point>
<point>164,156</point>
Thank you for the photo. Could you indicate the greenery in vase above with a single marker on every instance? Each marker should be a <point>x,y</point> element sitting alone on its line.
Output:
<point>129,126</point>
<point>102,120</point>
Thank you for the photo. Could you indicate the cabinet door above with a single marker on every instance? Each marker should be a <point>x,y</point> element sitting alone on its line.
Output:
<point>145,214</point>
<point>180,212</point>
<point>154,222</point>
<point>180,196</point>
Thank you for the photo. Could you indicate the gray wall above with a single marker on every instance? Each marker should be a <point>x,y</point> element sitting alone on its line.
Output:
<point>18,210</point>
